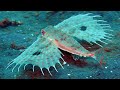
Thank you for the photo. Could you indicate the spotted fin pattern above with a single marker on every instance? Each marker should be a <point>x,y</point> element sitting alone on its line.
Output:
<point>86,27</point>
<point>41,53</point>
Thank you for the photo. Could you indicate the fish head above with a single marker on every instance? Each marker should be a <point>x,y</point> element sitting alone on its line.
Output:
<point>48,33</point>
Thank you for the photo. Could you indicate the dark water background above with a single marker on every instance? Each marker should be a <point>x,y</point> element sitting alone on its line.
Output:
<point>15,38</point>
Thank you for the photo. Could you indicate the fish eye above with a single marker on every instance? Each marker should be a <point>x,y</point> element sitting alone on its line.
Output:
<point>43,32</point>
<point>83,28</point>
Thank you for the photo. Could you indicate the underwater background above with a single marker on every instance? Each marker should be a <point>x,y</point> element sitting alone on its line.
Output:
<point>19,29</point>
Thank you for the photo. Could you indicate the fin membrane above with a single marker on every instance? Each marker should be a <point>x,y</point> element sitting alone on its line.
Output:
<point>41,53</point>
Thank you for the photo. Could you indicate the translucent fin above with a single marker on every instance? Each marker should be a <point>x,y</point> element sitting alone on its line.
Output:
<point>96,16</point>
<point>63,59</point>
<point>33,68</point>
<point>61,65</point>
<point>103,42</point>
<point>85,27</point>
<point>9,65</point>
<point>40,54</point>
<point>107,39</point>
<point>25,66</point>
<point>49,72</point>
<point>42,71</point>
<point>98,44</point>
<point>55,69</point>
<point>19,67</point>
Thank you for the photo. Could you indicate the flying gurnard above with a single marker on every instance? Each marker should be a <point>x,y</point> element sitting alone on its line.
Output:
<point>45,53</point>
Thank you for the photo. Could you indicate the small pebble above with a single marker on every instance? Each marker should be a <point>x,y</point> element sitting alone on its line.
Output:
<point>106,67</point>
<point>68,74</point>
<point>14,75</point>
<point>67,64</point>
<point>32,34</point>
<point>90,76</point>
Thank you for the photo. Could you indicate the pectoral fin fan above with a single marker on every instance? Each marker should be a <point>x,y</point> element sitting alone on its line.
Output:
<point>45,53</point>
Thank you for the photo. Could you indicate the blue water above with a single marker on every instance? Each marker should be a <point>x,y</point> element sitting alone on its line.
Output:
<point>26,34</point>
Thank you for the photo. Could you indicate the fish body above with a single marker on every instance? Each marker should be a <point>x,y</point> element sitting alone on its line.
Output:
<point>65,42</point>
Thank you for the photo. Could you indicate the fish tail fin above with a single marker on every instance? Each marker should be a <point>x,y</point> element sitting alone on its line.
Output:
<point>100,60</point>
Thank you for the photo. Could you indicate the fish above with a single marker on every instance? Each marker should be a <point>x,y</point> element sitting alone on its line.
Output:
<point>66,42</point>
<point>45,53</point>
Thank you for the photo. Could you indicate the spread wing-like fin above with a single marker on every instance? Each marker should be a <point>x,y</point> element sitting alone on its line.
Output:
<point>86,27</point>
<point>41,53</point>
